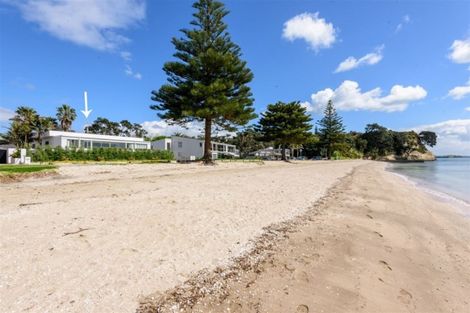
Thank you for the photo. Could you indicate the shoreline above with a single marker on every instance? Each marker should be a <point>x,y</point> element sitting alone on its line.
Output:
<point>461,205</point>
<point>253,283</point>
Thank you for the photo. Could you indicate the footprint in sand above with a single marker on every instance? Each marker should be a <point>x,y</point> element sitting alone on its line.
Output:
<point>302,308</point>
<point>385,264</point>
<point>404,296</point>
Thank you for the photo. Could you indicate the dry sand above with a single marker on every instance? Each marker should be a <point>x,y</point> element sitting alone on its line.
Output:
<point>98,238</point>
<point>375,243</point>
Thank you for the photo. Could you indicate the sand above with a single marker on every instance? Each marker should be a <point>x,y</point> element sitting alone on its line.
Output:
<point>375,243</point>
<point>99,238</point>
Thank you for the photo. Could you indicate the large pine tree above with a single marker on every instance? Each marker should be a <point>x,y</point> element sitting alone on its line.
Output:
<point>285,124</point>
<point>331,129</point>
<point>209,81</point>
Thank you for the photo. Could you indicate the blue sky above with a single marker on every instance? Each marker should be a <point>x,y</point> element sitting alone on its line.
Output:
<point>405,64</point>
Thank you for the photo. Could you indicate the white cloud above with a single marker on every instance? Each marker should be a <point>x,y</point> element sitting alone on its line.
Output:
<point>163,128</point>
<point>192,129</point>
<point>91,23</point>
<point>126,56</point>
<point>459,92</point>
<point>467,109</point>
<point>404,20</point>
<point>129,72</point>
<point>453,136</point>
<point>349,97</point>
<point>460,51</point>
<point>311,28</point>
<point>6,114</point>
<point>369,59</point>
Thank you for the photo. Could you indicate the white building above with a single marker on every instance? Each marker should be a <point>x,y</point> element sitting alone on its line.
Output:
<point>190,149</point>
<point>54,138</point>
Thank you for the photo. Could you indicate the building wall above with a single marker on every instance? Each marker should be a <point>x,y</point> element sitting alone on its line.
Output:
<point>61,139</point>
<point>187,148</point>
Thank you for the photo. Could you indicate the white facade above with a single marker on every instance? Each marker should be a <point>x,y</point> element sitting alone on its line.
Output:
<point>190,149</point>
<point>54,138</point>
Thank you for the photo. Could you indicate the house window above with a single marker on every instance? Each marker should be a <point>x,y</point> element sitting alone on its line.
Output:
<point>180,144</point>
<point>140,146</point>
<point>47,143</point>
<point>72,143</point>
<point>168,146</point>
<point>200,144</point>
<point>86,144</point>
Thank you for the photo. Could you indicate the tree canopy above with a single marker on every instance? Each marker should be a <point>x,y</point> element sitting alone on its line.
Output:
<point>331,129</point>
<point>285,124</point>
<point>66,115</point>
<point>208,82</point>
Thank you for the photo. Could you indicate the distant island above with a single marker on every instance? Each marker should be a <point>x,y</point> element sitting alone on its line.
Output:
<point>451,156</point>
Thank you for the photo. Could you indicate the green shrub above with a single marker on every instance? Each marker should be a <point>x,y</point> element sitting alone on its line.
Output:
<point>100,154</point>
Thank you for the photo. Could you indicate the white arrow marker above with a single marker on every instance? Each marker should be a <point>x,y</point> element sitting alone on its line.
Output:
<point>86,112</point>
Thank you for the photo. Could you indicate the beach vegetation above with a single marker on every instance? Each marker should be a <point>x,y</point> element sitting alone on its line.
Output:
<point>100,154</point>
<point>285,124</point>
<point>208,81</point>
<point>22,168</point>
<point>124,128</point>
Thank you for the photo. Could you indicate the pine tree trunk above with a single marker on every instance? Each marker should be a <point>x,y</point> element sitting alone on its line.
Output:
<point>207,158</point>
<point>283,154</point>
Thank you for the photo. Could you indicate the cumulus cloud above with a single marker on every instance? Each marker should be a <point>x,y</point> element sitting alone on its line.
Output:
<point>453,136</point>
<point>311,28</point>
<point>460,51</point>
<point>369,59</point>
<point>467,109</point>
<point>130,72</point>
<point>404,20</point>
<point>192,129</point>
<point>459,92</point>
<point>163,128</point>
<point>92,23</point>
<point>6,114</point>
<point>349,97</point>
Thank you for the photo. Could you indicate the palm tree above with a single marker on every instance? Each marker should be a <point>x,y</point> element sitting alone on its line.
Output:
<point>43,124</point>
<point>66,115</point>
<point>23,124</point>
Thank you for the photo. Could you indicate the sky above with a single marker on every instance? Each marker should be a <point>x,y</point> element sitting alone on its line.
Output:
<point>402,64</point>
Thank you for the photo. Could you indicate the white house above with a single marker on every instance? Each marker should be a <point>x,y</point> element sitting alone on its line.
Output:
<point>190,149</point>
<point>54,138</point>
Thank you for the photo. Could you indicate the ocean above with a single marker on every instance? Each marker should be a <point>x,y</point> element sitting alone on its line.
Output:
<point>445,177</point>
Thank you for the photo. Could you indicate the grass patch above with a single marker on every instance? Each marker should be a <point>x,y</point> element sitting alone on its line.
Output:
<point>21,168</point>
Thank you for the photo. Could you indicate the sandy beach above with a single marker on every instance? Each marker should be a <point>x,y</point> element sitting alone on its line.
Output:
<point>98,238</point>
<point>375,243</point>
<point>333,236</point>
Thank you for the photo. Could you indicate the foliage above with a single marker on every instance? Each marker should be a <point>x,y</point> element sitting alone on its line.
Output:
<point>285,124</point>
<point>428,138</point>
<point>247,141</point>
<point>18,168</point>
<point>66,115</point>
<point>209,81</point>
<point>101,154</point>
<point>103,126</point>
<point>331,129</point>
<point>379,139</point>
<point>22,125</point>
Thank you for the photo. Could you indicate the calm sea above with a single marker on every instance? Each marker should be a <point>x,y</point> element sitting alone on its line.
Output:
<point>447,176</point>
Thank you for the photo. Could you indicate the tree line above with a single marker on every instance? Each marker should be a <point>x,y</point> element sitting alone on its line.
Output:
<point>27,126</point>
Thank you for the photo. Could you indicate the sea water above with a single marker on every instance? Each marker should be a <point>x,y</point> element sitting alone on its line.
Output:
<point>445,176</point>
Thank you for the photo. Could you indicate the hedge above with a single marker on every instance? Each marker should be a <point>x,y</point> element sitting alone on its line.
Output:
<point>99,154</point>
